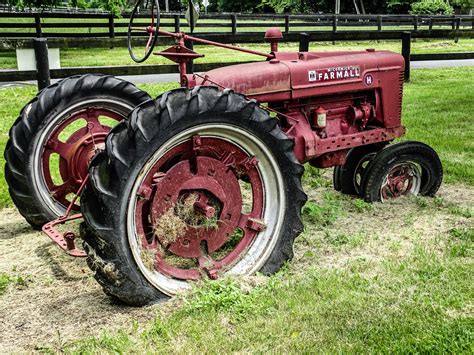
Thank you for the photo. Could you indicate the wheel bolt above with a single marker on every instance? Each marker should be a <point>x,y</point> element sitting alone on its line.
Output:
<point>212,274</point>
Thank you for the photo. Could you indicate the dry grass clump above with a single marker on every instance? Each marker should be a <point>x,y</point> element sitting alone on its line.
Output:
<point>169,227</point>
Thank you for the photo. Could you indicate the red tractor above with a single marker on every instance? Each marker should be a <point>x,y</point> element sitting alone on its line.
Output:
<point>205,180</point>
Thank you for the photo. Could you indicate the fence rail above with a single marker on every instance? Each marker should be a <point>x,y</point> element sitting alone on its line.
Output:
<point>303,39</point>
<point>100,25</point>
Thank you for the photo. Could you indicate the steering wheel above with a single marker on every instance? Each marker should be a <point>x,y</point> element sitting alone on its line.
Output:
<point>149,33</point>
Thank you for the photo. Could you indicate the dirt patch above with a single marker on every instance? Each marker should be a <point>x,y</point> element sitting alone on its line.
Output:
<point>385,232</point>
<point>58,300</point>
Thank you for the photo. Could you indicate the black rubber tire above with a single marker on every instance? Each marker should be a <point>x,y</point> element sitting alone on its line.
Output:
<point>344,178</point>
<point>381,164</point>
<point>336,178</point>
<point>33,119</point>
<point>130,144</point>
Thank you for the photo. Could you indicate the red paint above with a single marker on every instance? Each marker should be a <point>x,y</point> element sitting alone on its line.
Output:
<point>64,240</point>
<point>207,171</point>
<point>399,182</point>
<point>75,153</point>
<point>360,92</point>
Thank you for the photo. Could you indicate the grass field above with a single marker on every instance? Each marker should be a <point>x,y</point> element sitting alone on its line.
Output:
<point>73,57</point>
<point>384,278</point>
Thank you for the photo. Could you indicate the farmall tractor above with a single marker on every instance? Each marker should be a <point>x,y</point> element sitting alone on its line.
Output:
<point>205,180</point>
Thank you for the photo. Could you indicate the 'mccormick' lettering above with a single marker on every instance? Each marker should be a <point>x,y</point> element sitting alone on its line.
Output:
<point>335,73</point>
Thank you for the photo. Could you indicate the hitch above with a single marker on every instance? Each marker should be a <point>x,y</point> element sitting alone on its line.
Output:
<point>66,240</point>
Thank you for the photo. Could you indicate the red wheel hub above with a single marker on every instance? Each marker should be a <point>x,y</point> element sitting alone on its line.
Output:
<point>190,206</point>
<point>75,151</point>
<point>399,181</point>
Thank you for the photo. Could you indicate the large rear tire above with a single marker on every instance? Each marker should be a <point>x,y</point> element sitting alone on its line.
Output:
<point>199,183</point>
<point>56,134</point>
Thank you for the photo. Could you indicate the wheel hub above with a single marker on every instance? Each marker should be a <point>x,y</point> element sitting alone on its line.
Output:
<point>212,188</point>
<point>402,179</point>
<point>84,146</point>
<point>190,208</point>
<point>75,142</point>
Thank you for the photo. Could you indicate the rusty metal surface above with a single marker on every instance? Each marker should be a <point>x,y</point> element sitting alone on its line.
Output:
<point>64,240</point>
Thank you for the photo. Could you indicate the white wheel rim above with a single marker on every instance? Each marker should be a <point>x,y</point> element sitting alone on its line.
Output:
<point>274,198</point>
<point>39,182</point>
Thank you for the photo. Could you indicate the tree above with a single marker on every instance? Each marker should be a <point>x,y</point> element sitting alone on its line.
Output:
<point>400,6</point>
<point>39,4</point>
<point>431,7</point>
<point>464,5</point>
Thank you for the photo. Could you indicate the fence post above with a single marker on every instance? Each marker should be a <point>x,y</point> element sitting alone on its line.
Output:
<point>233,18</point>
<point>190,64</point>
<point>406,48</point>
<point>334,23</point>
<point>111,26</point>
<point>42,62</point>
<point>304,42</point>
<point>430,24</point>
<point>39,32</point>
<point>177,25</point>
<point>287,23</point>
<point>379,23</point>
<point>415,23</point>
<point>458,24</point>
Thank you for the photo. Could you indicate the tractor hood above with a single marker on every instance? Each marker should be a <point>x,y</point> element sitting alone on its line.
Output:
<point>297,75</point>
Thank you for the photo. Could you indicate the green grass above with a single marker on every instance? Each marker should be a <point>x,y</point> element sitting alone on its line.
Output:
<point>416,301</point>
<point>359,283</point>
<point>73,57</point>
<point>7,280</point>
<point>4,282</point>
<point>323,310</point>
<point>438,109</point>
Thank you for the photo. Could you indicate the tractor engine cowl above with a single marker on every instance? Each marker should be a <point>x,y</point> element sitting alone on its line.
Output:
<point>328,102</point>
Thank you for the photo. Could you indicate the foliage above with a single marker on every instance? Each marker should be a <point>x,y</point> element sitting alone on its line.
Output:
<point>400,6</point>
<point>21,4</point>
<point>114,6</point>
<point>465,5</point>
<point>431,7</point>
<point>237,6</point>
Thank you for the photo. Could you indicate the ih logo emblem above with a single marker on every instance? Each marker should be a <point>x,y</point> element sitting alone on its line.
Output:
<point>369,80</point>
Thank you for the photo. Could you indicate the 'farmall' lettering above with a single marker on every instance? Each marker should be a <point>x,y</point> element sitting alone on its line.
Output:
<point>335,73</point>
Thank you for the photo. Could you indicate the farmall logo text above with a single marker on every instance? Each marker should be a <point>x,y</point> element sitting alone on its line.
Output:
<point>335,73</point>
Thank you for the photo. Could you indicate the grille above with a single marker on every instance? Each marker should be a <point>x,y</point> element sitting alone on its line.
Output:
<point>401,77</point>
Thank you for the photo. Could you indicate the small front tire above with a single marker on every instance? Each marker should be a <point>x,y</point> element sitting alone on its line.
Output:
<point>406,168</point>
<point>348,178</point>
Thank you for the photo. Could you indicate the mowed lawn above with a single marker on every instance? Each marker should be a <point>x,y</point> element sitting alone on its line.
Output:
<point>386,278</point>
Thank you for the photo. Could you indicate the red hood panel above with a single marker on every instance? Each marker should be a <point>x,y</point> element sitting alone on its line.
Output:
<point>251,79</point>
<point>321,72</point>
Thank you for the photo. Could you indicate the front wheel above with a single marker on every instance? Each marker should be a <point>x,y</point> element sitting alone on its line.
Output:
<point>348,177</point>
<point>199,184</point>
<point>406,168</point>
